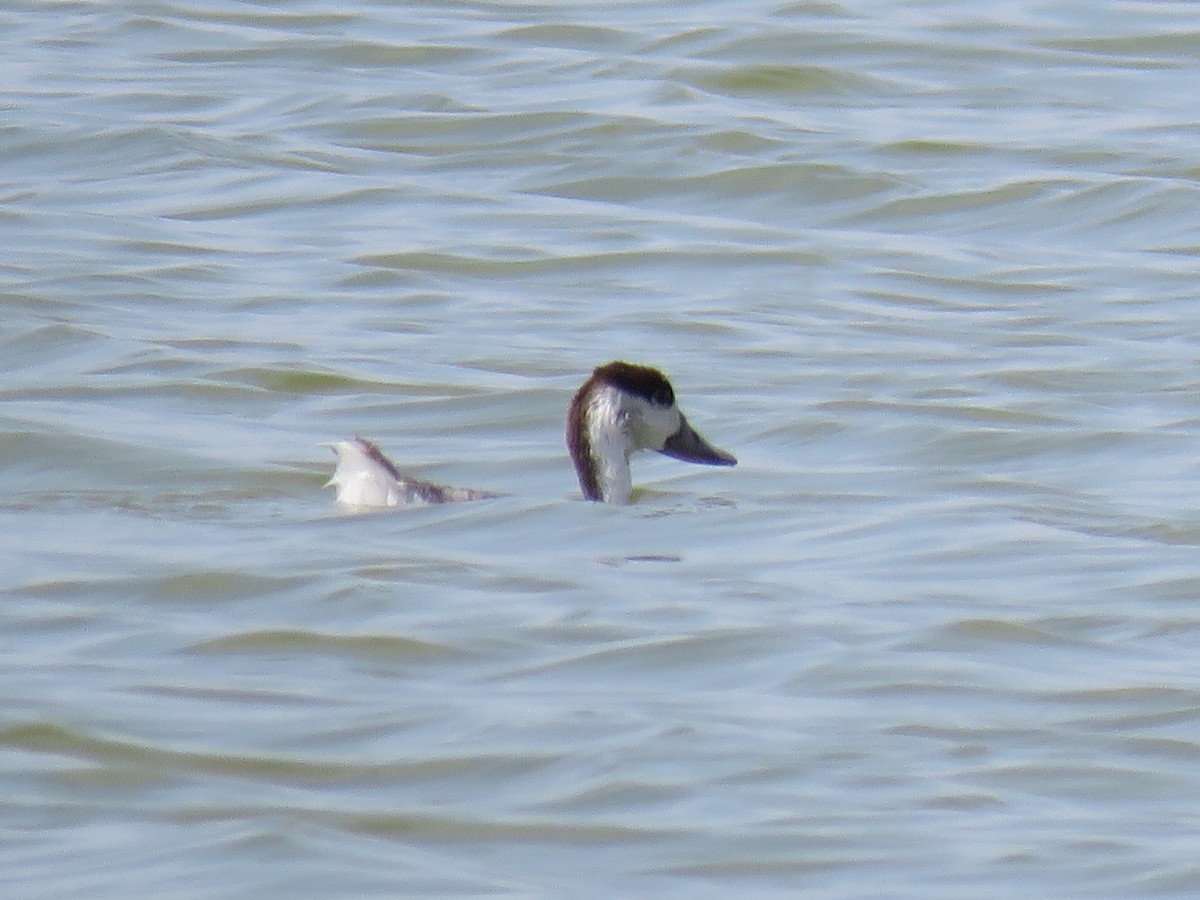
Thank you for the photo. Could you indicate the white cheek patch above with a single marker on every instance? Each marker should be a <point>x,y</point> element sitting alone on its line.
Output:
<point>652,424</point>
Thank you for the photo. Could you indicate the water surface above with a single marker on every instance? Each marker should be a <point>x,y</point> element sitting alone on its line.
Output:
<point>928,272</point>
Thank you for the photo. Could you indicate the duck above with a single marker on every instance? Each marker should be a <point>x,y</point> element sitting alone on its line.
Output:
<point>620,409</point>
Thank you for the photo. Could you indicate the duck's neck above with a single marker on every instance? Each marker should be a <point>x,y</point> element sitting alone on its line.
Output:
<point>598,438</point>
<point>610,456</point>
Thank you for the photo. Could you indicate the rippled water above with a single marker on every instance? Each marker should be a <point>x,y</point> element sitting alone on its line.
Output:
<point>929,270</point>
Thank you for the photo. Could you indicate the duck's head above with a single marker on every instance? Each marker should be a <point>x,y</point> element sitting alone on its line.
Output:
<point>623,408</point>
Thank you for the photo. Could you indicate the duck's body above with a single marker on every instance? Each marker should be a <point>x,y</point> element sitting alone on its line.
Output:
<point>364,477</point>
<point>620,409</point>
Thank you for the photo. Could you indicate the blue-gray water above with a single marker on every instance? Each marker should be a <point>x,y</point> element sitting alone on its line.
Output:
<point>929,270</point>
